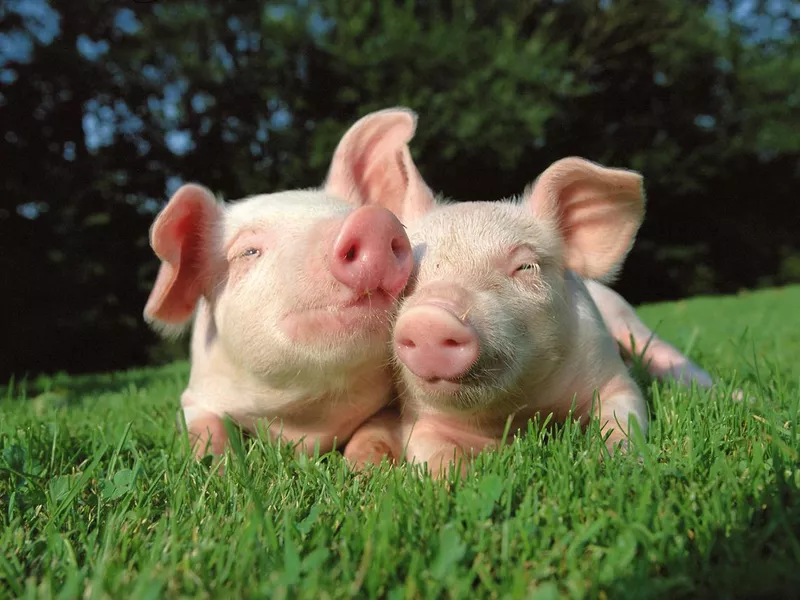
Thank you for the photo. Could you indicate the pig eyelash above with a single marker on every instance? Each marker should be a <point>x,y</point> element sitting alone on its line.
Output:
<point>523,258</point>
<point>528,267</point>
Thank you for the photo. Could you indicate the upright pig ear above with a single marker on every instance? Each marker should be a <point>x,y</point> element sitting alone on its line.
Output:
<point>372,165</point>
<point>598,211</point>
<point>181,238</point>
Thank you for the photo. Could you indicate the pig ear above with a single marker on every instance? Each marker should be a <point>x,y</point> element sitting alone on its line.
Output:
<point>598,211</point>
<point>181,238</point>
<point>372,165</point>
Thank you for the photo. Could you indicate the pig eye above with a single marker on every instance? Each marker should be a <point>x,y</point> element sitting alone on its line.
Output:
<point>528,267</point>
<point>250,252</point>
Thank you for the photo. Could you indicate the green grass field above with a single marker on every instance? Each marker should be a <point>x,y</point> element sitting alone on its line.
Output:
<point>99,497</point>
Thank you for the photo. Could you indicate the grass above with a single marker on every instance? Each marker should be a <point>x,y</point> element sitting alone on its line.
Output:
<point>99,498</point>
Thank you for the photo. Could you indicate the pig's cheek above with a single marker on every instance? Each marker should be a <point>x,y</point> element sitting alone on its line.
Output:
<point>239,269</point>
<point>546,302</point>
<point>317,275</point>
<point>246,311</point>
<point>559,293</point>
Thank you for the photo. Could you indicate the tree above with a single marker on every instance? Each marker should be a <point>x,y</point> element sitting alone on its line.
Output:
<point>117,104</point>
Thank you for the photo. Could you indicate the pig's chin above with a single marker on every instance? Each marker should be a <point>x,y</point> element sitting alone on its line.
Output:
<point>470,394</point>
<point>447,396</point>
<point>438,386</point>
<point>357,320</point>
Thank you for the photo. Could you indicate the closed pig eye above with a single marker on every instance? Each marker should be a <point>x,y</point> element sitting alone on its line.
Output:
<point>521,260</point>
<point>528,267</point>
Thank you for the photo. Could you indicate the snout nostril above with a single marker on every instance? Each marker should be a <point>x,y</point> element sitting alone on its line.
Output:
<point>351,253</point>
<point>451,343</point>
<point>398,248</point>
<point>407,343</point>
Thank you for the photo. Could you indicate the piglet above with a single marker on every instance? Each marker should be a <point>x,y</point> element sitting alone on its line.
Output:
<point>497,321</point>
<point>292,293</point>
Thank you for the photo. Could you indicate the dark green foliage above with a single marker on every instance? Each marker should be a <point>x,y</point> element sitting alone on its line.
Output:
<point>702,98</point>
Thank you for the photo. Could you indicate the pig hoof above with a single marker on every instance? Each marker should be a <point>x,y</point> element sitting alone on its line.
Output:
<point>369,455</point>
<point>615,445</point>
<point>209,460</point>
<point>442,472</point>
<point>736,395</point>
<point>439,464</point>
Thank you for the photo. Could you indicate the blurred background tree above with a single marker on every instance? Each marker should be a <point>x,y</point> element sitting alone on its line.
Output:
<point>106,107</point>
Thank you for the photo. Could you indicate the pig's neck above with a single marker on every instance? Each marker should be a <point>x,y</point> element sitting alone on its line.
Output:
<point>219,386</point>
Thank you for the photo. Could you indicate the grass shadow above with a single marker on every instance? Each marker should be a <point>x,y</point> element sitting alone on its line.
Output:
<point>759,559</point>
<point>64,389</point>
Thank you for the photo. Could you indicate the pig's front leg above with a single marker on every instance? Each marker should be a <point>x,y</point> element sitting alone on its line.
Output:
<point>442,446</point>
<point>438,454</point>
<point>206,431</point>
<point>450,454</point>
<point>661,359</point>
<point>377,438</point>
<point>385,434</point>
<point>617,401</point>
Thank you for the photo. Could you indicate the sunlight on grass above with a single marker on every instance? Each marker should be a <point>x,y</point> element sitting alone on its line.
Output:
<point>99,496</point>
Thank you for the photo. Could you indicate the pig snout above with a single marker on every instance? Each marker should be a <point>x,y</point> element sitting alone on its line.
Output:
<point>372,252</point>
<point>433,343</point>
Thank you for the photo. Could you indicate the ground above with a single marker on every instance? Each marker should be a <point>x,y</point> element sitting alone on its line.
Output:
<point>99,498</point>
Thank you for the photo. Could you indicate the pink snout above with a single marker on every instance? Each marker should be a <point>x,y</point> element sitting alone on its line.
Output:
<point>434,343</point>
<point>372,252</point>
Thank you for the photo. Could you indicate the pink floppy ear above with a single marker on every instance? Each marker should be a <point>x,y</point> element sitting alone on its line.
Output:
<point>372,165</point>
<point>180,237</point>
<point>598,211</point>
